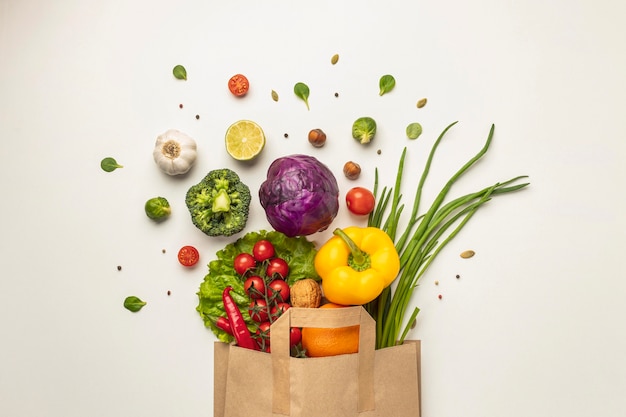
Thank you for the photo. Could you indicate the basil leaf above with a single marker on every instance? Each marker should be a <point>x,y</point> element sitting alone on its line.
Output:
<point>413,130</point>
<point>180,72</point>
<point>109,164</point>
<point>302,91</point>
<point>386,84</point>
<point>133,303</point>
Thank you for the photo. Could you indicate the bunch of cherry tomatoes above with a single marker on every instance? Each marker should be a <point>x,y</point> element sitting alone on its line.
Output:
<point>265,276</point>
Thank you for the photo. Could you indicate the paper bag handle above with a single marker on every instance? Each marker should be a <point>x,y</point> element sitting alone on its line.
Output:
<point>324,318</point>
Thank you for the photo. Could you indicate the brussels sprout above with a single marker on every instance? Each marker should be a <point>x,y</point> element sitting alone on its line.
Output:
<point>364,129</point>
<point>158,208</point>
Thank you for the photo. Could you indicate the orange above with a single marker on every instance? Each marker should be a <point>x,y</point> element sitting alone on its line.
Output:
<point>330,342</point>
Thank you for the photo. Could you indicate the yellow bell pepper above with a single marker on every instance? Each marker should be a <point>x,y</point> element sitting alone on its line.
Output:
<point>356,264</point>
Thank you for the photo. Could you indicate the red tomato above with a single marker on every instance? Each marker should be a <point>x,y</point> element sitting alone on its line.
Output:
<point>281,289</point>
<point>295,336</point>
<point>263,336</point>
<point>263,250</point>
<point>258,310</point>
<point>243,262</point>
<point>360,201</point>
<point>277,266</point>
<point>277,310</point>
<point>188,256</point>
<point>238,85</point>
<point>254,286</point>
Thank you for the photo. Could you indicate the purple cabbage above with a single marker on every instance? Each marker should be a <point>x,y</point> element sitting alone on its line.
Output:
<point>300,195</point>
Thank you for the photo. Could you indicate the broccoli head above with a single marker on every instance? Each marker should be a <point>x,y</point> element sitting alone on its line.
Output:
<point>219,204</point>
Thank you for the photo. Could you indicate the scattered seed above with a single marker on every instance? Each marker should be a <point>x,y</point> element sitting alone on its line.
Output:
<point>467,254</point>
<point>162,250</point>
<point>286,135</point>
<point>180,106</point>
<point>436,282</point>
<point>414,324</point>
<point>169,292</point>
<point>440,296</point>
<point>458,276</point>
<point>336,94</point>
<point>197,116</point>
<point>119,267</point>
<point>274,95</point>
<point>334,59</point>
<point>421,103</point>
<point>379,152</point>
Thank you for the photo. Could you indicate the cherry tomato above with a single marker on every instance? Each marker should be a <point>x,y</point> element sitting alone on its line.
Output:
<point>277,310</point>
<point>243,262</point>
<point>254,286</point>
<point>188,256</point>
<point>258,310</point>
<point>360,201</point>
<point>295,336</point>
<point>238,85</point>
<point>263,336</point>
<point>263,250</point>
<point>280,290</point>
<point>277,266</point>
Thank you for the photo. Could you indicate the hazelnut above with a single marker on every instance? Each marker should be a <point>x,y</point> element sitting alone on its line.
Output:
<point>351,170</point>
<point>305,293</point>
<point>317,138</point>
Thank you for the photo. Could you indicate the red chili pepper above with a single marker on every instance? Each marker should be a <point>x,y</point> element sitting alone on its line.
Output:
<point>237,323</point>
<point>224,324</point>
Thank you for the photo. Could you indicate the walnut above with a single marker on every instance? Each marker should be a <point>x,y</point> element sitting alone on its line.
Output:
<point>306,293</point>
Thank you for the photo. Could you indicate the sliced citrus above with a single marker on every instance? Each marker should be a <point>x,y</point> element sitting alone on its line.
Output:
<point>244,140</point>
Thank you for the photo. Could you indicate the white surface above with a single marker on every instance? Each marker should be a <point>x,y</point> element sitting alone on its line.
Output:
<point>534,325</point>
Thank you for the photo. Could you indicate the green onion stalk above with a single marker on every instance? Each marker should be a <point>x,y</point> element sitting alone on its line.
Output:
<point>426,234</point>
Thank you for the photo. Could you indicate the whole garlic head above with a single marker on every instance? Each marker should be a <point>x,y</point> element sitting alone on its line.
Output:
<point>175,152</point>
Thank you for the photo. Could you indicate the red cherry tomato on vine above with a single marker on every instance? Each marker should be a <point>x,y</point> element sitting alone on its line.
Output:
<point>258,310</point>
<point>278,310</point>
<point>295,336</point>
<point>238,85</point>
<point>360,201</point>
<point>254,286</point>
<point>188,256</point>
<point>277,266</point>
<point>263,250</point>
<point>280,290</point>
<point>243,262</point>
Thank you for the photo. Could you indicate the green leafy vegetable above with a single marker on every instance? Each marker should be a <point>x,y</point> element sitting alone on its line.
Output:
<point>424,236</point>
<point>180,72</point>
<point>302,91</point>
<point>133,303</point>
<point>364,129</point>
<point>158,208</point>
<point>297,251</point>
<point>386,84</point>
<point>413,130</point>
<point>109,164</point>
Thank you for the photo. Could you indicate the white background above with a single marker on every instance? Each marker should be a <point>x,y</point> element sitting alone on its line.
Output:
<point>534,326</point>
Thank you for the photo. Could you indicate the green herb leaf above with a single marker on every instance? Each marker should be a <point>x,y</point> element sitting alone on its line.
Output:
<point>274,95</point>
<point>302,90</point>
<point>334,59</point>
<point>413,130</point>
<point>133,303</point>
<point>109,164</point>
<point>386,84</point>
<point>180,72</point>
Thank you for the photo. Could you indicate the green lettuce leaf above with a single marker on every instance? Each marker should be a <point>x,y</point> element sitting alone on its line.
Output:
<point>297,251</point>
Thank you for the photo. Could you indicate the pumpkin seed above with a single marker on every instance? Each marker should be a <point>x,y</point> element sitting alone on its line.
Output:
<point>274,95</point>
<point>421,103</point>
<point>467,254</point>
<point>334,59</point>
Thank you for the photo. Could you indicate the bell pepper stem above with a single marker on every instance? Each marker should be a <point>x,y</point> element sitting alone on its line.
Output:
<point>360,259</point>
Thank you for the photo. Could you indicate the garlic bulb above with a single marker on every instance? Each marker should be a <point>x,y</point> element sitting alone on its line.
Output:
<point>174,152</point>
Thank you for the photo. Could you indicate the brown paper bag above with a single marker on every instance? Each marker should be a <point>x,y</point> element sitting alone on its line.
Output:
<point>370,383</point>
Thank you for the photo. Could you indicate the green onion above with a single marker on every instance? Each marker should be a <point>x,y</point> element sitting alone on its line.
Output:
<point>426,234</point>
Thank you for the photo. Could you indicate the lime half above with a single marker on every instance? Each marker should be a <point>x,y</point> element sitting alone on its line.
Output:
<point>244,140</point>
